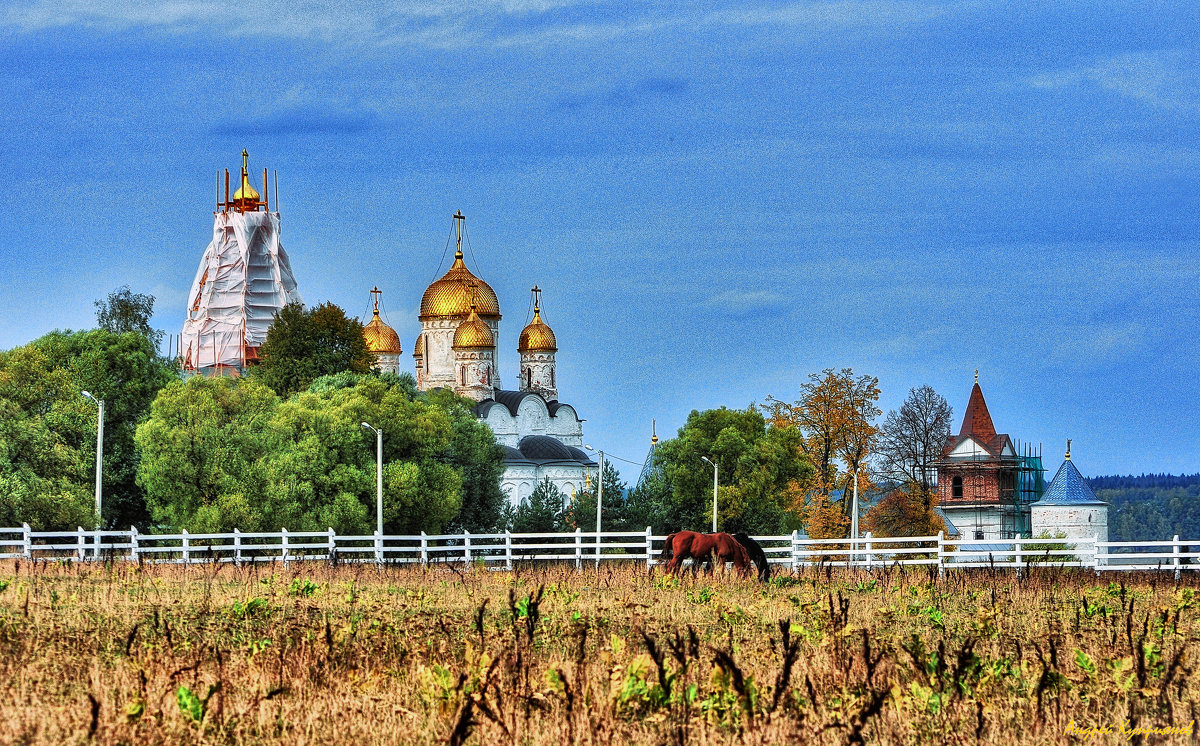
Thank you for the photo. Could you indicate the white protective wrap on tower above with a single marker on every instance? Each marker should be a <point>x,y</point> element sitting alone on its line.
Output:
<point>243,279</point>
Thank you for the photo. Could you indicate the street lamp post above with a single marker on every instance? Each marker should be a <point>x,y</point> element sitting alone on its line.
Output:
<point>713,464</point>
<point>854,520</point>
<point>378,491</point>
<point>599,502</point>
<point>99,465</point>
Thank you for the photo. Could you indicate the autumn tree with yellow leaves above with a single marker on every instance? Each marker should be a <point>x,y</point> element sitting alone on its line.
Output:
<point>835,416</point>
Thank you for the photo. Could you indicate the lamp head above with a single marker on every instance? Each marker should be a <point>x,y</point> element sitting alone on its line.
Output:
<point>705,459</point>
<point>88,395</point>
<point>585,445</point>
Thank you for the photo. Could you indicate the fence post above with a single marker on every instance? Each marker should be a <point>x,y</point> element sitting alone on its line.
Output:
<point>424,549</point>
<point>578,548</point>
<point>868,537</point>
<point>27,547</point>
<point>466,546</point>
<point>96,544</point>
<point>332,551</point>
<point>284,546</point>
<point>1096,554</point>
<point>133,543</point>
<point>79,542</point>
<point>795,550</point>
<point>1019,556</point>
<point>378,547</point>
<point>941,556</point>
<point>1175,551</point>
<point>507,549</point>
<point>649,548</point>
<point>185,545</point>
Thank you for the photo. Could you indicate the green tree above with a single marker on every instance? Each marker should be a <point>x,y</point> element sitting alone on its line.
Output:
<point>614,517</point>
<point>649,504</point>
<point>45,380</point>
<point>476,454</point>
<point>541,512</point>
<point>756,466</point>
<point>303,345</point>
<point>45,428</point>
<point>228,453</point>
<point>126,311</point>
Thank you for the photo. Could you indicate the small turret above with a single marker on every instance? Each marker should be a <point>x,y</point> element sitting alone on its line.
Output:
<point>538,346</point>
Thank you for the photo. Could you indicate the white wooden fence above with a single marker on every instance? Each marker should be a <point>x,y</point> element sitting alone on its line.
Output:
<point>579,548</point>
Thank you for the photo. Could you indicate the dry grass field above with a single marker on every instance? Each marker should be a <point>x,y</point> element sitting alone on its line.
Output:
<point>312,654</point>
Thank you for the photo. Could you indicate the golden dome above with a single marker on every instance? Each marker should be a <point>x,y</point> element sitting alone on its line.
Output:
<point>452,295</point>
<point>246,193</point>
<point>419,346</point>
<point>473,333</point>
<point>537,336</point>
<point>381,338</point>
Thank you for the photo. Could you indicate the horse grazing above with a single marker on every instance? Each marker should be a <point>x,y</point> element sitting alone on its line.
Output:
<point>756,554</point>
<point>708,548</point>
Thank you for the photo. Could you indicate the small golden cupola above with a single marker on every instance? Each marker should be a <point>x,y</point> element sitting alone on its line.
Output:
<point>473,333</point>
<point>382,339</point>
<point>537,336</point>
<point>538,346</point>
<point>247,198</point>
<point>451,296</point>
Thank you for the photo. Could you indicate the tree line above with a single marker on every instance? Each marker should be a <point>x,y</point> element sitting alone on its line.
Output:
<point>284,445</point>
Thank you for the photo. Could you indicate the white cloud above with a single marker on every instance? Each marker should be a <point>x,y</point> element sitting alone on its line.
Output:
<point>1166,79</point>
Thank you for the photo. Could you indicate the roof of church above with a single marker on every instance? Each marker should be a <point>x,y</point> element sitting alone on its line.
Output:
<point>512,401</point>
<point>543,448</point>
<point>977,425</point>
<point>1068,488</point>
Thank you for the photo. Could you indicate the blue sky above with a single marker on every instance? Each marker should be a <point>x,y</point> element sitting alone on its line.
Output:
<point>718,198</point>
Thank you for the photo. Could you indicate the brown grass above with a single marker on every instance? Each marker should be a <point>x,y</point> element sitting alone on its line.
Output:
<point>310,654</point>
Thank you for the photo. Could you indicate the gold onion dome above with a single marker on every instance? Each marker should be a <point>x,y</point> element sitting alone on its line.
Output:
<point>451,296</point>
<point>245,192</point>
<point>537,336</point>
<point>380,338</point>
<point>419,346</point>
<point>473,333</point>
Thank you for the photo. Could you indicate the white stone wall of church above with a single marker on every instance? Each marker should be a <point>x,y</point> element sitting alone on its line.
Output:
<point>537,374</point>
<point>440,370</point>
<point>519,480</point>
<point>1076,521</point>
<point>988,519</point>
<point>387,363</point>
<point>534,419</point>
<point>475,368</point>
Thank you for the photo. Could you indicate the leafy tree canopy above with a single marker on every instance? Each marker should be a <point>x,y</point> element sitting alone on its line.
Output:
<point>541,512</point>
<point>614,515</point>
<point>47,452</point>
<point>907,510</point>
<point>126,311</point>
<point>226,453</point>
<point>758,467</point>
<point>303,345</point>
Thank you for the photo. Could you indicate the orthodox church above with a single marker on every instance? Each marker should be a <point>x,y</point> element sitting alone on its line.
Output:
<point>245,278</point>
<point>457,349</point>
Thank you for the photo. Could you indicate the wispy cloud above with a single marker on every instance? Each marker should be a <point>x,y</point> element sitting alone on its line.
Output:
<point>1166,79</point>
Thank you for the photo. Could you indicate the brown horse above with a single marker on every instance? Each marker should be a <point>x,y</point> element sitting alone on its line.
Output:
<point>710,548</point>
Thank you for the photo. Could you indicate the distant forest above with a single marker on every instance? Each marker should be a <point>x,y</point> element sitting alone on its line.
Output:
<point>1150,506</point>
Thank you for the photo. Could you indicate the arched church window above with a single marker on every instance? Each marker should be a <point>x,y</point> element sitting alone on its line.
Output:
<point>464,375</point>
<point>529,378</point>
<point>956,488</point>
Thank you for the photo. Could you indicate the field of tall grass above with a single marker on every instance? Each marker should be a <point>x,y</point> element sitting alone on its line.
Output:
<point>122,653</point>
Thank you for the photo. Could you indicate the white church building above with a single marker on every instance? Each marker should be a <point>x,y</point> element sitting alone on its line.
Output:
<point>456,349</point>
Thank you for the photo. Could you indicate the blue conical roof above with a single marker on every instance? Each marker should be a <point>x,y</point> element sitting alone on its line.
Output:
<point>1068,488</point>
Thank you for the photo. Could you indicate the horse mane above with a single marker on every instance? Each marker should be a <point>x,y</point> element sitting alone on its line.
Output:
<point>756,554</point>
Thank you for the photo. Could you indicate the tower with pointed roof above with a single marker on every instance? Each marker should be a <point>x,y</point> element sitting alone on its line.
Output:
<point>1069,506</point>
<point>244,278</point>
<point>983,484</point>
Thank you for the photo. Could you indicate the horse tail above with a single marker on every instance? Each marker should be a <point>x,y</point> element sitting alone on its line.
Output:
<point>669,545</point>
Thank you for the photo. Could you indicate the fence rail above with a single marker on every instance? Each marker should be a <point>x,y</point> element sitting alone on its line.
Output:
<point>580,547</point>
